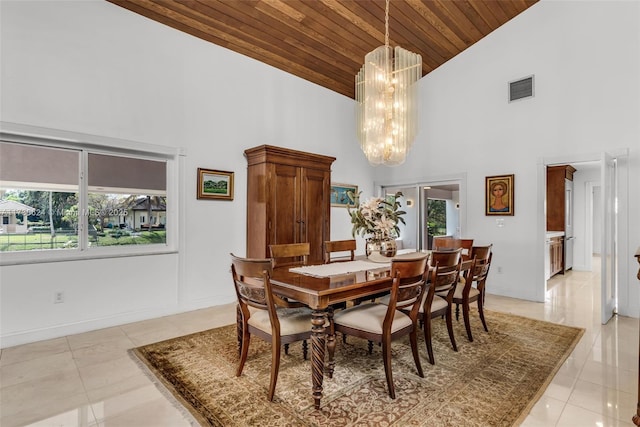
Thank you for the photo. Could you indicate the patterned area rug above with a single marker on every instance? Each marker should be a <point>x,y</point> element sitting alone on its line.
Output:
<point>493,381</point>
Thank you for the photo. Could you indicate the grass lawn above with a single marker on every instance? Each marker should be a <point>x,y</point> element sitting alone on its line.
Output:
<point>27,242</point>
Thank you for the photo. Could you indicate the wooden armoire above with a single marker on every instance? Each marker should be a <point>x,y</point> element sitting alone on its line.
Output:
<point>288,200</point>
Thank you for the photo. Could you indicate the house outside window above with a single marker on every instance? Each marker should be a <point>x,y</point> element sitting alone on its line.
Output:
<point>82,200</point>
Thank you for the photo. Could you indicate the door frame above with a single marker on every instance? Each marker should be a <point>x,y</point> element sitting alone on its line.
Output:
<point>620,239</point>
<point>609,251</point>
<point>459,178</point>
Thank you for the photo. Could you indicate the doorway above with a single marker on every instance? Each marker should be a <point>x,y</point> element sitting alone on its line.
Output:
<point>601,190</point>
<point>433,208</point>
<point>571,209</point>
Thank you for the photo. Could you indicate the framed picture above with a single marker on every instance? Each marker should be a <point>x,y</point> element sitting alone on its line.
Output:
<point>339,194</point>
<point>214,184</point>
<point>499,195</point>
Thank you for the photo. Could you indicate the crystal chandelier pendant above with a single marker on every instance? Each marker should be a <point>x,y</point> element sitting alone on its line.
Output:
<point>386,102</point>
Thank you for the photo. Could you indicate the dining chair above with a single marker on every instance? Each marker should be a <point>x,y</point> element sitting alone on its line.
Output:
<point>438,298</point>
<point>264,314</point>
<point>466,293</point>
<point>292,254</point>
<point>448,243</point>
<point>382,323</point>
<point>345,248</point>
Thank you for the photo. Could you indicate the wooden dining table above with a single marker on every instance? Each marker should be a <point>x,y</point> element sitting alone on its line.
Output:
<point>320,294</point>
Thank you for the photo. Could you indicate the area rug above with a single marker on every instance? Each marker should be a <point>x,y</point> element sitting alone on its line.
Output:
<point>493,381</point>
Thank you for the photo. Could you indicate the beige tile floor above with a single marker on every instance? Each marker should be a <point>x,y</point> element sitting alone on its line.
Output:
<point>89,380</point>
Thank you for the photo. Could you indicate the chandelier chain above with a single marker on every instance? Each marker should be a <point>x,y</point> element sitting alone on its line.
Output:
<point>386,24</point>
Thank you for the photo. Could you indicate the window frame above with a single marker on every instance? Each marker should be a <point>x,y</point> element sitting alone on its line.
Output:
<point>85,143</point>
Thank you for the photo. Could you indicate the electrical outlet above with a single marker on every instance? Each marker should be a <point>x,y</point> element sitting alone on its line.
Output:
<point>58,297</point>
<point>499,269</point>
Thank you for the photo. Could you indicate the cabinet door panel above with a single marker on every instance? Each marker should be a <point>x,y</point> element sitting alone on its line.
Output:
<point>555,198</point>
<point>315,200</point>
<point>285,205</point>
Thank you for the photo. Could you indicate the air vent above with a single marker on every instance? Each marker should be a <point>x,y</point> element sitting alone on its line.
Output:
<point>520,89</point>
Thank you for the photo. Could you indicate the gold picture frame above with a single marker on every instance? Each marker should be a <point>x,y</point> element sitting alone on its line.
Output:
<point>499,195</point>
<point>339,196</point>
<point>215,184</point>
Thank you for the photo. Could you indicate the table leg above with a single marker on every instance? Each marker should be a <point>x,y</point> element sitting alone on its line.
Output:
<point>318,319</point>
<point>331,343</point>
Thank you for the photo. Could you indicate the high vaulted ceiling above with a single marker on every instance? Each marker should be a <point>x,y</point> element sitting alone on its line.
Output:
<point>325,41</point>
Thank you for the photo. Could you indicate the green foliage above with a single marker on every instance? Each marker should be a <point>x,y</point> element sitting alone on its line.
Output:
<point>376,216</point>
<point>61,202</point>
<point>119,233</point>
<point>123,238</point>
<point>65,215</point>
<point>436,217</point>
<point>25,242</point>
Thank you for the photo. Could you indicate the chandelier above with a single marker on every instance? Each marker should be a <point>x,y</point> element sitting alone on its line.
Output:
<point>386,102</point>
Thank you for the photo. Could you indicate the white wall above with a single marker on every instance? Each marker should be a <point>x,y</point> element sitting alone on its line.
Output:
<point>586,59</point>
<point>597,218</point>
<point>453,215</point>
<point>409,231</point>
<point>95,68</point>
<point>586,226</point>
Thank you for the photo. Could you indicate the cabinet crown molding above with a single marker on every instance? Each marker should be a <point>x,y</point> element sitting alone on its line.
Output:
<point>286,156</point>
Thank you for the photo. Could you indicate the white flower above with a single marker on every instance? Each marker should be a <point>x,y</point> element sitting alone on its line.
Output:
<point>376,216</point>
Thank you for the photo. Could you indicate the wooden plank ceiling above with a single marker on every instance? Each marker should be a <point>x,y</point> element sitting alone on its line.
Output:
<point>325,41</point>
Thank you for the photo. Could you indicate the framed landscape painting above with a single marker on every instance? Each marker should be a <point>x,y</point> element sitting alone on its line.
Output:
<point>499,195</point>
<point>339,195</point>
<point>213,184</point>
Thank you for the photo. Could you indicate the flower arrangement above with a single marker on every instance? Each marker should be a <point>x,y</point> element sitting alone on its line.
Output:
<point>376,217</point>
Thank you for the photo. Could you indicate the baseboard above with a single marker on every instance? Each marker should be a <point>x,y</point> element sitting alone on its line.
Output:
<point>26,337</point>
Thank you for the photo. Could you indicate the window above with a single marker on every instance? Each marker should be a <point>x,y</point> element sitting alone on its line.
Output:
<point>63,199</point>
<point>120,189</point>
<point>40,186</point>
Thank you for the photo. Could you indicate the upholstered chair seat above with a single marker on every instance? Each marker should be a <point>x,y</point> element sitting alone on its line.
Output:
<point>460,284</point>
<point>438,304</point>
<point>370,317</point>
<point>473,292</point>
<point>292,320</point>
<point>264,314</point>
<point>466,292</point>
<point>382,323</point>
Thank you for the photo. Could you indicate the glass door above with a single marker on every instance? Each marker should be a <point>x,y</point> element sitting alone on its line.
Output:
<point>433,209</point>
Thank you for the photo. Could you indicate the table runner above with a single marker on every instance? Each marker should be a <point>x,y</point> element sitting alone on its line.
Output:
<point>338,268</point>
